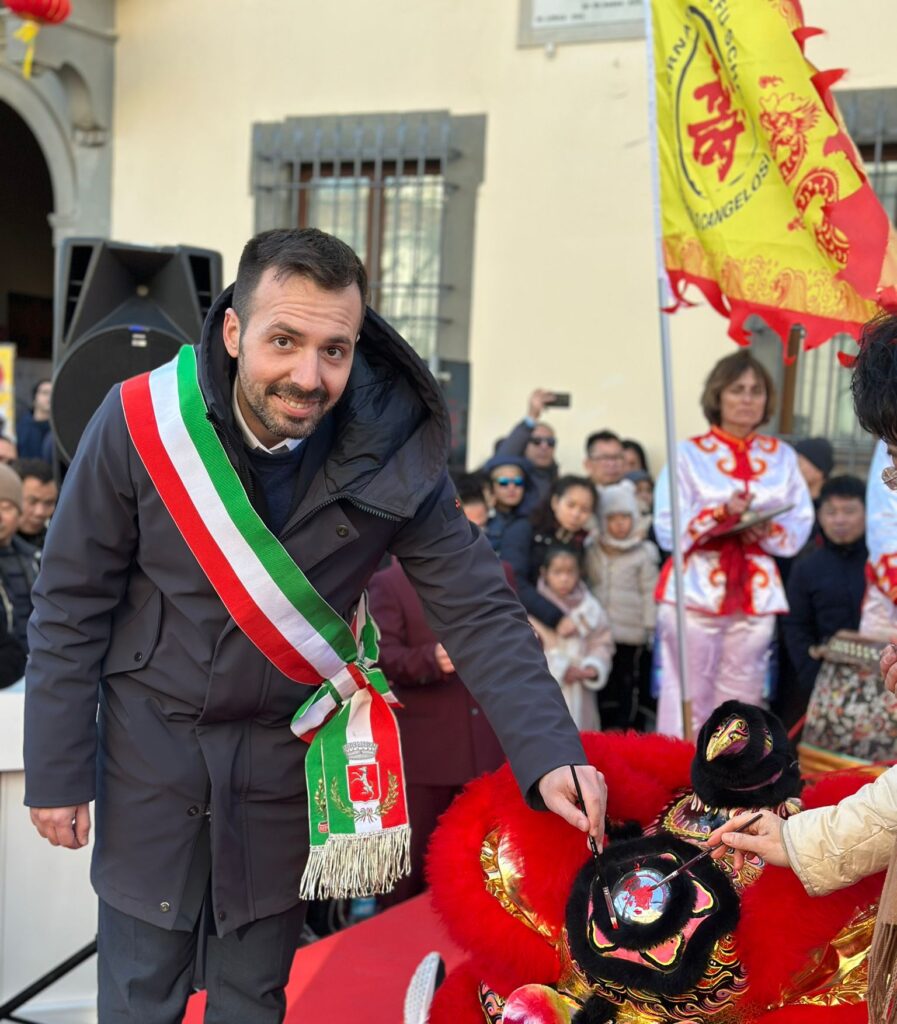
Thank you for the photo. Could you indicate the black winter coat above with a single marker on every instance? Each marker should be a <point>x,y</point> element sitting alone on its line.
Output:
<point>825,592</point>
<point>191,759</point>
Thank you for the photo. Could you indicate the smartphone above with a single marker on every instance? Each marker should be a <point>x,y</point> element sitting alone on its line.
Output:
<point>561,400</point>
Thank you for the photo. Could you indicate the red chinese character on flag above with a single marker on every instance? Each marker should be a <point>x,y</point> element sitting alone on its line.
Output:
<point>715,138</point>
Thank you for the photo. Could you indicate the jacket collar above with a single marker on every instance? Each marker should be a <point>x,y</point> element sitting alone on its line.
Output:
<point>858,547</point>
<point>388,435</point>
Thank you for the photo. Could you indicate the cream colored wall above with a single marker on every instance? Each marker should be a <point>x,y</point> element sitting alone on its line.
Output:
<point>564,279</point>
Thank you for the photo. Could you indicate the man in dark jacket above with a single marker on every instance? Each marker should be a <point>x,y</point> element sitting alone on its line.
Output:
<point>826,585</point>
<point>18,559</point>
<point>12,654</point>
<point>338,436</point>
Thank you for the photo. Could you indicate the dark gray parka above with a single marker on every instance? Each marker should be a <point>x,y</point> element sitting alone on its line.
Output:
<point>191,758</point>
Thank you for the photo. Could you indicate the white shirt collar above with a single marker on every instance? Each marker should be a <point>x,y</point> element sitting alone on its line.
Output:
<point>288,444</point>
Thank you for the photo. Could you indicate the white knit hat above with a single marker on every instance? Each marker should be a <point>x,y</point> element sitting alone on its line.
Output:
<point>618,499</point>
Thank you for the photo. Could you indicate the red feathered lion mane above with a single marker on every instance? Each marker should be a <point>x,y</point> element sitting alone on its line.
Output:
<point>642,772</point>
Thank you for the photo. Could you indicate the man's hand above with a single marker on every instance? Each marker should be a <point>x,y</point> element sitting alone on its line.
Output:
<point>888,665</point>
<point>559,793</point>
<point>537,402</point>
<point>63,826</point>
<point>444,661</point>
<point>763,838</point>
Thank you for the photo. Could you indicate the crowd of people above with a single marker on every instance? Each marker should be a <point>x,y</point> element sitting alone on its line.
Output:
<point>28,495</point>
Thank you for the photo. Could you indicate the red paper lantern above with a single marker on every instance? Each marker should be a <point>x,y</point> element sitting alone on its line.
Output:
<point>48,12</point>
<point>34,14</point>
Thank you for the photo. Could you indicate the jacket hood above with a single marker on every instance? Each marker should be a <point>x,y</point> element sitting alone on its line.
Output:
<point>390,428</point>
<point>530,492</point>
<point>523,464</point>
<point>619,499</point>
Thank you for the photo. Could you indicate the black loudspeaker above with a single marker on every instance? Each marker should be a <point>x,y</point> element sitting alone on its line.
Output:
<point>121,310</point>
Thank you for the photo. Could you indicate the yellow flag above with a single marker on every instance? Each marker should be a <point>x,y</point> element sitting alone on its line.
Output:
<point>765,205</point>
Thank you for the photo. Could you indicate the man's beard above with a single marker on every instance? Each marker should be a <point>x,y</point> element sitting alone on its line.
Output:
<point>258,398</point>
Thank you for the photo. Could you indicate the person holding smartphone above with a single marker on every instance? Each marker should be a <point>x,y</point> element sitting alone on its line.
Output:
<point>536,441</point>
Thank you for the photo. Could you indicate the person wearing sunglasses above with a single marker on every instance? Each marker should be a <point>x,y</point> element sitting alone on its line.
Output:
<point>510,532</point>
<point>536,441</point>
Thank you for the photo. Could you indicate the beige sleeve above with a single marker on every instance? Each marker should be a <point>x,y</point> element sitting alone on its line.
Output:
<point>831,847</point>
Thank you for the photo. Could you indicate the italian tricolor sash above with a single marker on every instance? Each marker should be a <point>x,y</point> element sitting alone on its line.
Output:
<point>357,811</point>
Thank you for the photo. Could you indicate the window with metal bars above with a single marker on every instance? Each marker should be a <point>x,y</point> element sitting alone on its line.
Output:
<point>401,190</point>
<point>385,184</point>
<point>815,389</point>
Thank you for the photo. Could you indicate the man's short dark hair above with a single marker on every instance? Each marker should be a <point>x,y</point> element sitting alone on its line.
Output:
<point>601,435</point>
<point>37,468</point>
<point>470,488</point>
<point>306,252</point>
<point>843,486</point>
<point>726,372</point>
<point>874,381</point>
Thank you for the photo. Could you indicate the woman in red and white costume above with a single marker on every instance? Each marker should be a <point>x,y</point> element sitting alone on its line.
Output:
<point>733,590</point>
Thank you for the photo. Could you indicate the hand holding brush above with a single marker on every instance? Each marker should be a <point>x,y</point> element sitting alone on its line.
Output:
<point>752,832</point>
<point>598,881</point>
<point>725,829</point>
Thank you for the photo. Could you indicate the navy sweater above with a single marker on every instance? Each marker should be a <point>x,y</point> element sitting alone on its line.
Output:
<point>277,474</point>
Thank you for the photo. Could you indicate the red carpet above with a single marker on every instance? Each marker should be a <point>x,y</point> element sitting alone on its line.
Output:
<point>360,974</point>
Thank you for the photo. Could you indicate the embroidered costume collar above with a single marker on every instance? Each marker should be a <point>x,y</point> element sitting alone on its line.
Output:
<point>737,444</point>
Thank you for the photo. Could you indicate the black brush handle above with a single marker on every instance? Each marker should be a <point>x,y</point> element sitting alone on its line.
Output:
<point>582,804</point>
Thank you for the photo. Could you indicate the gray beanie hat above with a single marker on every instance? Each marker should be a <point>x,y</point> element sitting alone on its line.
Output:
<point>10,486</point>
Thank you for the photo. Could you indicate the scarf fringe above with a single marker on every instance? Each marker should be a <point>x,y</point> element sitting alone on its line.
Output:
<point>882,992</point>
<point>357,864</point>
<point>882,995</point>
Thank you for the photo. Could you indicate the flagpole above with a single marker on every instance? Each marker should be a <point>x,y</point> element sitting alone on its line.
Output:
<point>665,300</point>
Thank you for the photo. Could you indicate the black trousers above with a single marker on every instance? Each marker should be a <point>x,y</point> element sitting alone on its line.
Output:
<point>146,974</point>
<point>618,702</point>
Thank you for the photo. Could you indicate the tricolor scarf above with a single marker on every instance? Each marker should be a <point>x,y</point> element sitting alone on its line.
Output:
<point>357,811</point>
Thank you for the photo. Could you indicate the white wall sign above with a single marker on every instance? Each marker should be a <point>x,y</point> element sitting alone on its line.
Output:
<point>576,21</point>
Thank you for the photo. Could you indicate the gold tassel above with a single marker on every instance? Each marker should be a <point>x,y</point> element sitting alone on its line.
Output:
<point>28,33</point>
<point>358,864</point>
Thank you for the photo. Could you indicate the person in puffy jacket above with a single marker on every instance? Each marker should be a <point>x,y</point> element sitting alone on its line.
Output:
<point>623,568</point>
<point>832,847</point>
<point>580,662</point>
<point>510,533</point>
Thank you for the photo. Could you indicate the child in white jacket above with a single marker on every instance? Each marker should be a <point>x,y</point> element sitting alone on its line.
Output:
<point>622,570</point>
<point>579,662</point>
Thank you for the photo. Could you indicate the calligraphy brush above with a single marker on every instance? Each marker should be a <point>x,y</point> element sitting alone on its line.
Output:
<point>599,878</point>
<point>701,856</point>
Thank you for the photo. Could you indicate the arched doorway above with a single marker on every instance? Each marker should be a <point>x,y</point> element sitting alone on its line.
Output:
<point>26,240</point>
<point>26,252</point>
